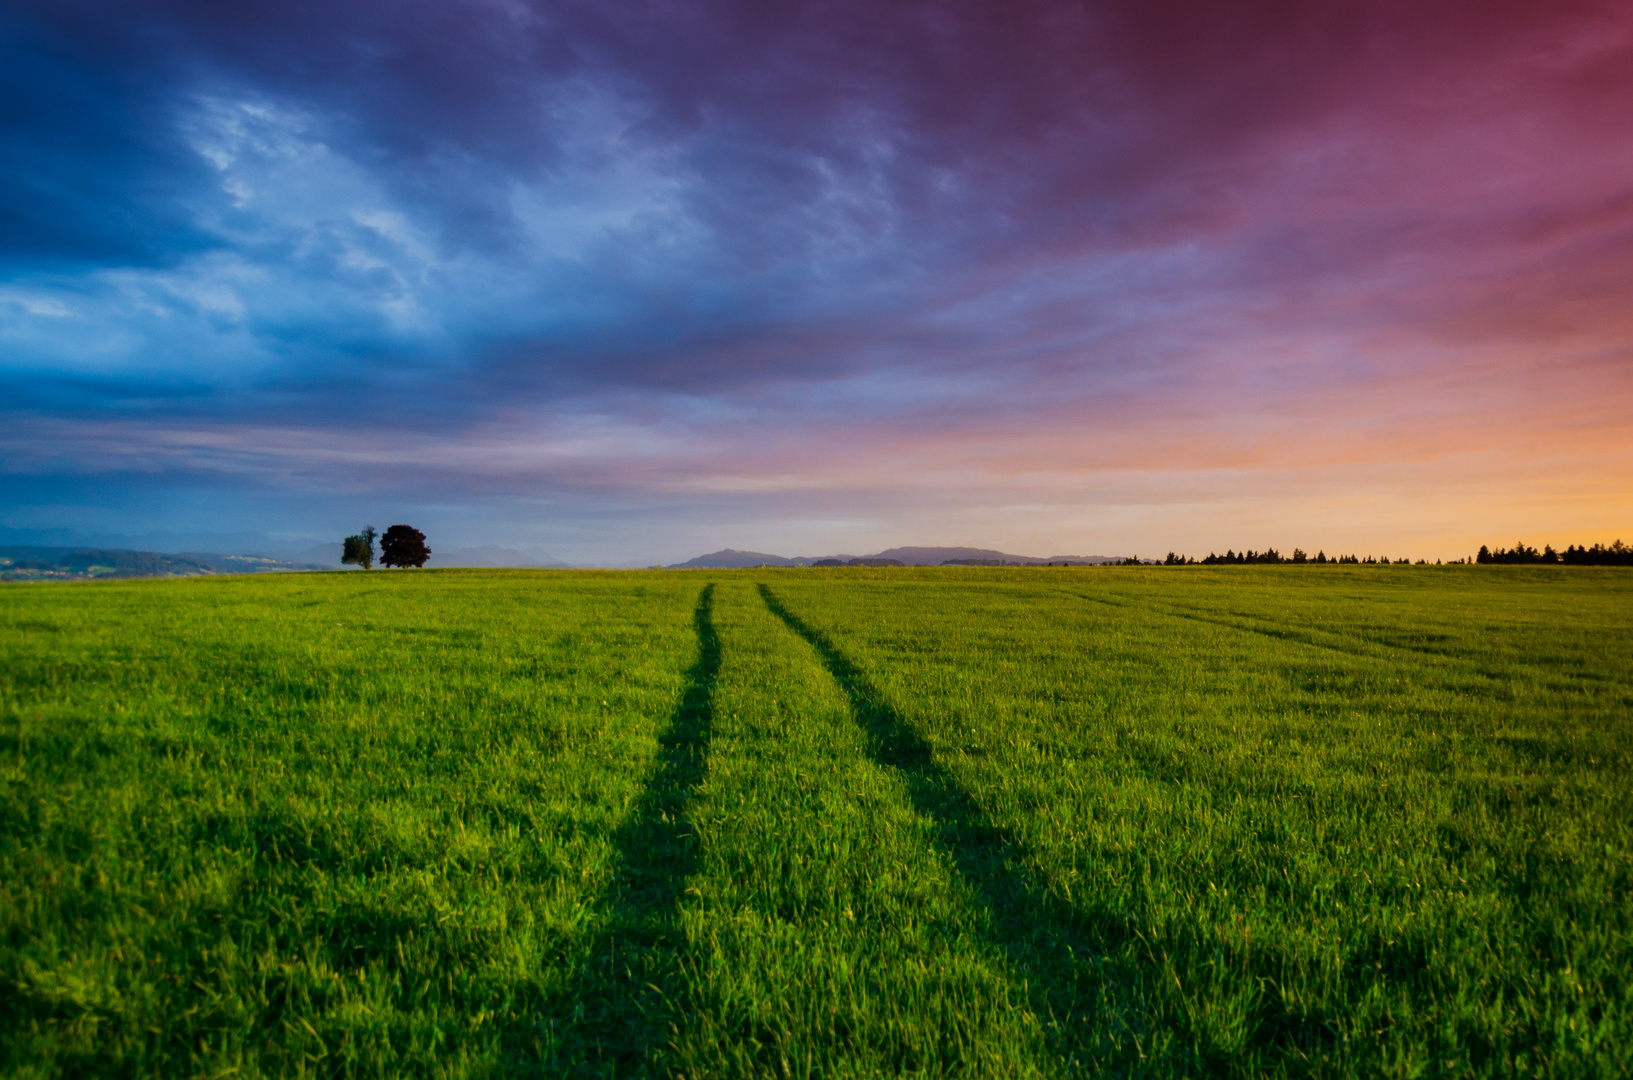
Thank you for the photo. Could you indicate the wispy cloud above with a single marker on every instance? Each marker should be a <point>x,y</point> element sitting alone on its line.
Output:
<point>692,260</point>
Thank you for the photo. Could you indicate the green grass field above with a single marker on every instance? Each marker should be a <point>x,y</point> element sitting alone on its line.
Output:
<point>1238,821</point>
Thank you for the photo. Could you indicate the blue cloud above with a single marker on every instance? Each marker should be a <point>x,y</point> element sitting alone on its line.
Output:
<point>571,249</point>
<point>93,173</point>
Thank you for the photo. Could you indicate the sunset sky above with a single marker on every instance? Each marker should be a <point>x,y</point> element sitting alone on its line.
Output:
<point>626,281</point>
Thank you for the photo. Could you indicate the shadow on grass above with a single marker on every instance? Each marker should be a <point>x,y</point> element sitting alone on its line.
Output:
<point>628,999</point>
<point>1093,978</point>
<point>1059,951</point>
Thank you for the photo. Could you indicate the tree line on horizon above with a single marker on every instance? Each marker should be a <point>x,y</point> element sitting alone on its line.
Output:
<point>404,546</point>
<point>1271,555</point>
<point>1616,554</point>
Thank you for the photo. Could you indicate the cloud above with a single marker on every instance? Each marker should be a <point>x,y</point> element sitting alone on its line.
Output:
<point>637,251</point>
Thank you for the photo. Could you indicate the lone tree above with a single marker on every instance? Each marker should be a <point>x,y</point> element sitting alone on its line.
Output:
<point>359,550</point>
<point>403,545</point>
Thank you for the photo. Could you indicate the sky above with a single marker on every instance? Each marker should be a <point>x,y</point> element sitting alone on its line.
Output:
<point>625,281</point>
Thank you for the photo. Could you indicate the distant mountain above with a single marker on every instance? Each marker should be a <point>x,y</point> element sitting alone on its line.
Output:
<point>33,563</point>
<point>826,563</point>
<point>259,545</point>
<point>731,559</point>
<point>164,543</point>
<point>488,555</point>
<point>322,555</point>
<point>939,556</point>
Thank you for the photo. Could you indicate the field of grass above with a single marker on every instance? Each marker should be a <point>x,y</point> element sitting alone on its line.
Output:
<point>1234,821</point>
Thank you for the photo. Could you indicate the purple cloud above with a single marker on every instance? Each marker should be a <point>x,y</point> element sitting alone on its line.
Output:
<point>618,253</point>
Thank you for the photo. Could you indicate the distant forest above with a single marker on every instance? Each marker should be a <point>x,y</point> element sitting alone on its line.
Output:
<point>1616,554</point>
<point>1271,555</point>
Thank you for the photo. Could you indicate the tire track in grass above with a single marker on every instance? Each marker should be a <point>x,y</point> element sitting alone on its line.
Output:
<point>1347,642</point>
<point>629,998</point>
<point>1349,645</point>
<point>1061,952</point>
<point>1354,646</point>
<point>828,935</point>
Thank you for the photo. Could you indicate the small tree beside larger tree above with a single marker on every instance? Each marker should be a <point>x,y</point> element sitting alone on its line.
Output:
<point>359,550</point>
<point>403,545</point>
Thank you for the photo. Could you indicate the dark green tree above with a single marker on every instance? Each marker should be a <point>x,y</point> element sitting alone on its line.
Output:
<point>403,545</point>
<point>358,550</point>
